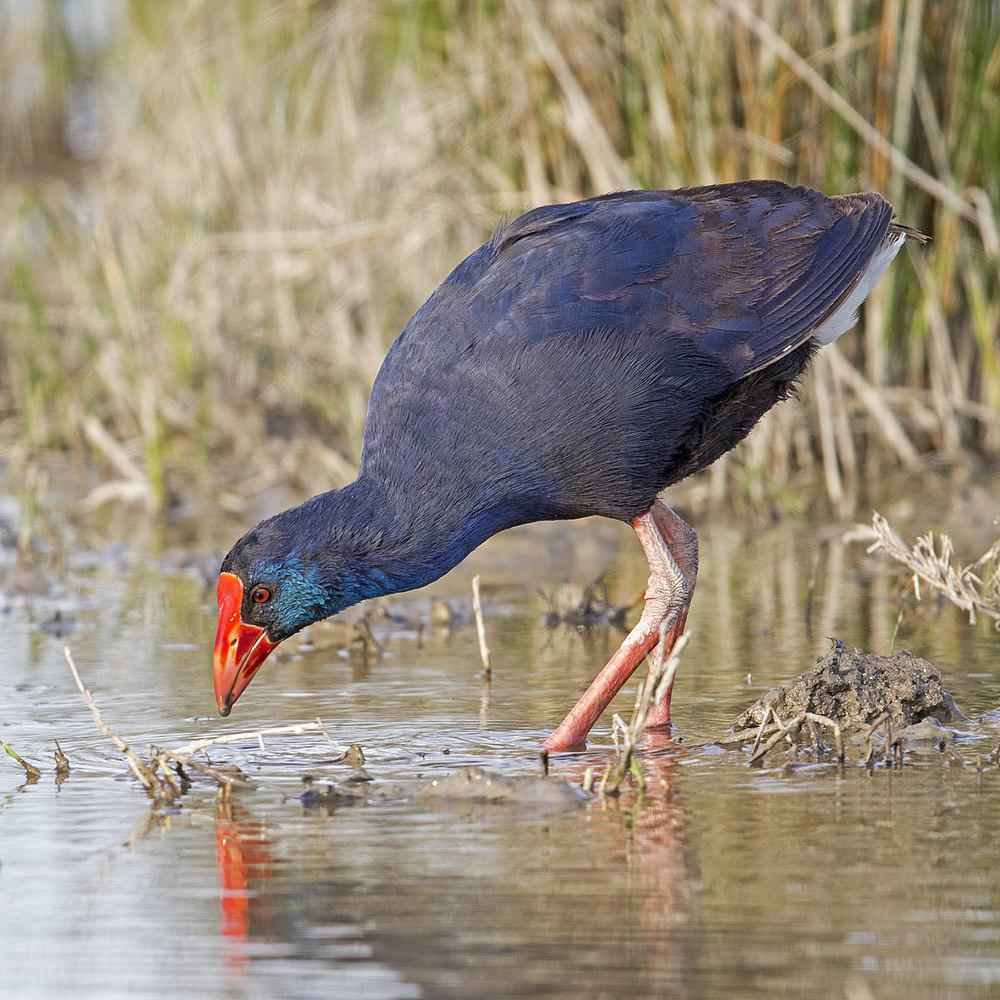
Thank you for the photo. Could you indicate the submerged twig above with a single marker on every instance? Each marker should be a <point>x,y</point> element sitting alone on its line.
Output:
<point>226,781</point>
<point>763,726</point>
<point>778,731</point>
<point>62,763</point>
<point>258,734</point>
<point>869,737</point>
<point>484,650</point>
<point>834,727</point>
<point>787,730</point>
<point>817,743</point>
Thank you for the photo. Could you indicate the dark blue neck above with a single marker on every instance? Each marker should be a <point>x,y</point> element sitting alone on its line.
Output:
<point>383,539</point>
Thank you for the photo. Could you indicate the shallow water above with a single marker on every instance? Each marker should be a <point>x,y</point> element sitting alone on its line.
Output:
<point>728,880</point>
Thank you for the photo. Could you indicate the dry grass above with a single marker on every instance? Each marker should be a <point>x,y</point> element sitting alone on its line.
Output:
<point>974,588</point>
<point>624,762</point>
<point>199,288</point>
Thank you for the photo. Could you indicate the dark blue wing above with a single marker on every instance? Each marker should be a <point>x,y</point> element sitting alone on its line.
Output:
<point>589,354</point>
<point>744,272</point>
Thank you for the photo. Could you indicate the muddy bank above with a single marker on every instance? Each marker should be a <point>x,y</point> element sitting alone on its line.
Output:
<point>883,705</point>
<point>854,688</point>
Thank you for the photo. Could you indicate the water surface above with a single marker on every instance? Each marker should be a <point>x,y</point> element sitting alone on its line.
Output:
<point>815,880</point>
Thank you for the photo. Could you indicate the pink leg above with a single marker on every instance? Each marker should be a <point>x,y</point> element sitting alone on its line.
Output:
<point>659,716</point>
<point>671,549</point>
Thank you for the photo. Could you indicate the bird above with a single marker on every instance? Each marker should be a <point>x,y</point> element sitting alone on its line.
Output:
<point>586,358</point>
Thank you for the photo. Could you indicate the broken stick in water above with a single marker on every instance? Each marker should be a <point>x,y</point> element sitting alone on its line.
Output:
<point>62,763</point>
<point>153,785</point>
<point>31,773</point>
<point>225,781</point>
<point>789,730</point>
<point>484,650</point>
<point>156,777</point>
<point>257,735</point>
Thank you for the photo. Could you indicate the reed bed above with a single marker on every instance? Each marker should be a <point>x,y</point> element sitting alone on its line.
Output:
<point>218,216</point>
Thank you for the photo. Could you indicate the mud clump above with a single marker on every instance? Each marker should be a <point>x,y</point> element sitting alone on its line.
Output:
<point>854,688</point>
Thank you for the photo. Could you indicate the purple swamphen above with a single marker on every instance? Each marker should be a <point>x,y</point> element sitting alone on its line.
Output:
<point>587,357</point>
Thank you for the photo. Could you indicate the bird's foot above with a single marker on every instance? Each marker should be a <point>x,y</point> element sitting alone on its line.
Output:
<point>554,744</point>
<point>659,718</point>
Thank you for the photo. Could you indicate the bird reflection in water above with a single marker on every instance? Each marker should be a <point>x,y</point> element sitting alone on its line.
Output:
<point>652,821</point>
<point>244,856</point>
<point>644,832</point>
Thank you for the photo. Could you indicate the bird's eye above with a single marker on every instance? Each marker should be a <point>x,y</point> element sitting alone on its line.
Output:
<point>261,595</point>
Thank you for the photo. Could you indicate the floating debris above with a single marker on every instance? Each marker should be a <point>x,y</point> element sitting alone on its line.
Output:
<point>62,764</point>
<point>58,625</point>
<point>329,799</point>
<point>31,773</point>
<point>592,608</point>
<point>338,635</point>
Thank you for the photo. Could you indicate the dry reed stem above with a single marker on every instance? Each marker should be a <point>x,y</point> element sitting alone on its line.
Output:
<point>846,110</point>
<point>650,693</point>
<point>142,771</point>
<point>299,729</point>
<point>974,588</point>
<point>220,262</point>
<point>484,650</point>
<point>874,401</point>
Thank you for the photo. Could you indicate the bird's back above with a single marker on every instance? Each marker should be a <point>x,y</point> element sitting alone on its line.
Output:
<point>592,353</point>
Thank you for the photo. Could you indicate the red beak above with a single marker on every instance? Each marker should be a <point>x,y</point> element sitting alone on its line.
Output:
<point>240,649</point>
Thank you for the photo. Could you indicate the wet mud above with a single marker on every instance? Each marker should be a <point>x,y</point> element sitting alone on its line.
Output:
<point>854,689</point>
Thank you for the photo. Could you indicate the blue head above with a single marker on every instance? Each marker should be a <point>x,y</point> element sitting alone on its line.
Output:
<point>296,568</point>
<point>314,560</point>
